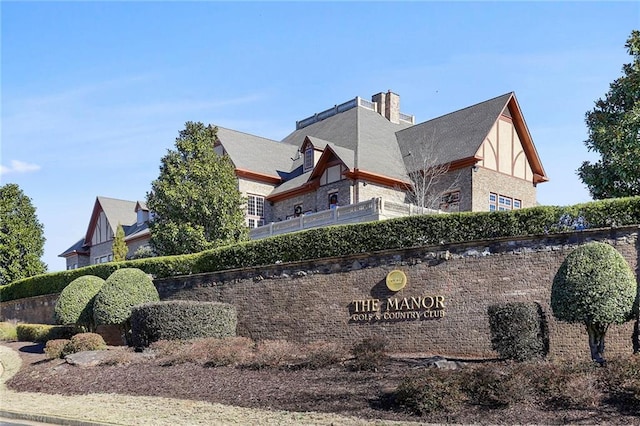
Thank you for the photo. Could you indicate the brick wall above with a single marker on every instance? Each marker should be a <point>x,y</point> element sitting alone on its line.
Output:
<point>35,310</point>
<point>308,301</point>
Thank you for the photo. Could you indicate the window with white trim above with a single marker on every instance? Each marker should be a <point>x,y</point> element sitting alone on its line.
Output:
<point>255,210</point>
<point>499,202</point>
<point>493,202</point>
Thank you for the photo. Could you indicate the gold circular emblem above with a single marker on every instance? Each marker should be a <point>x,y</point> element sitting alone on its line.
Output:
<point>396,280</point>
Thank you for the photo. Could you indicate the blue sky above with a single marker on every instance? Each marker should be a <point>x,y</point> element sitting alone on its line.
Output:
<point>95,93</point>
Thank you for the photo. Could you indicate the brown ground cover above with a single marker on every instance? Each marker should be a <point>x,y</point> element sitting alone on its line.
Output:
<point>336,389</point>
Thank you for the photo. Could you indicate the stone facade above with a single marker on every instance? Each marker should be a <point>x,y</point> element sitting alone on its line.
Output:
<point>313,201</point>
<point>367,191</point>
<point>487,181</point>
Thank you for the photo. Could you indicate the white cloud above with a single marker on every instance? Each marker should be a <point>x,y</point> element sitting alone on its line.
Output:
<point>18,166</point>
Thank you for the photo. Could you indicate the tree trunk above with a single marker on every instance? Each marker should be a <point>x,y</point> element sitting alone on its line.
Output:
<point>596,341</point>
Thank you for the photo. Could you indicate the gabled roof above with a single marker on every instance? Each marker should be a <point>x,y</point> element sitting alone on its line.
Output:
<point>258,155</point>
<point>368,134</point>
<point>116,211</point>
<point>457,136</point>
<point>454,136</point>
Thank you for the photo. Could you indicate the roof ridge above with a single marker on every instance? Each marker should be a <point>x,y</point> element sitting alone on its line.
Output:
<point>462,109</point>
<point>102,197</point>
<point>248,134</point>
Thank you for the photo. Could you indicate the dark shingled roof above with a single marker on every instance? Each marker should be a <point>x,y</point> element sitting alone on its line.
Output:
<point>78,247</point>
<point>453,136</point>
<point>368,134</point>
<point>367,142</point>
<point>260,155</point>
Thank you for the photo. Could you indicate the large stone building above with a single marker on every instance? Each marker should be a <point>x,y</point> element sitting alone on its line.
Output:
<point>480,158</point>
<point>359,161</point>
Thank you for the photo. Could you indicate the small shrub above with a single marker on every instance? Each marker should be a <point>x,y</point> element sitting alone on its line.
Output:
<point>323,354</point>
<point>8,331</point>
<point>75,304</point>
<point>84,342</point>
<point>622,381</point>
<point>594,286</point>
<point>370,353</point>
<point>228,351</point>
<point>181,320</point>
<point>494,387</point>
<point>431,391</point>
<point>518,330</point>
<point>170,352</point>
<point>567,385</point>
<point>54,348</point>
<point>275,354</point>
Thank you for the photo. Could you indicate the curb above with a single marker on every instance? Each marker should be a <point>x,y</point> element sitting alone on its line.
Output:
<point>48,419</point>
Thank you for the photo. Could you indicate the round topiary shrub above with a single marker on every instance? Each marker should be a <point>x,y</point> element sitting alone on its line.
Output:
<point>124,289</point>
<point>75,304</point>
<point>596,287</point>
<point>181,320</point>
<point>84,342</point>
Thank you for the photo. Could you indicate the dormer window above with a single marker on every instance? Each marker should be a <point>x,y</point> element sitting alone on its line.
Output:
<point>308,158</point>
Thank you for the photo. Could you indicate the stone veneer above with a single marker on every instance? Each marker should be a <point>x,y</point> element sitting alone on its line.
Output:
<point>306,301</point>
<point>314,300</point>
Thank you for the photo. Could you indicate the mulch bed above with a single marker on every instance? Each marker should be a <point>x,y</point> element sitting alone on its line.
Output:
<point>362,394</point>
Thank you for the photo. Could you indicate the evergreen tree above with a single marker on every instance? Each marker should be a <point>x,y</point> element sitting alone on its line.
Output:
<point>120,248</point>
<point>614,132</point>
<point>21,236</point>
<point>195,200</point>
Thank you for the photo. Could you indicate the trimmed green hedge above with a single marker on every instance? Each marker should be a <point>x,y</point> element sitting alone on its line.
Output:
<point>181,320</point>
<point>44,332</point>
<point>123,290</point>
<point>75,304</point>
<point>344,240</point>
<point>518,330</point>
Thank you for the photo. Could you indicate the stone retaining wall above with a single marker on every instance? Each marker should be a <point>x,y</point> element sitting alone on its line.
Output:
<point>441,310</point>
<point>331,299</point>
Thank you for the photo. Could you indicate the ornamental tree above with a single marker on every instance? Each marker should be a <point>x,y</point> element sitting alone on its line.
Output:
<point>195,200</point>
<point>21,236</point>
<point>614,132</point>
<point>596,287</point>
<point>119,247</point>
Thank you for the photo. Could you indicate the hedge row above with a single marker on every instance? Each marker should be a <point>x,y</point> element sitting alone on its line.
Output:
<point>181,320</point>
<point>518,330</point>
<point>344,240</point>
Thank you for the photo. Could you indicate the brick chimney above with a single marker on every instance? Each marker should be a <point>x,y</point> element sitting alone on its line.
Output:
<point>388,105</point>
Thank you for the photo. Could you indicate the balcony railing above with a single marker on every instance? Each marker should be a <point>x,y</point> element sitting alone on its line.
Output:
<point>366,211</point>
